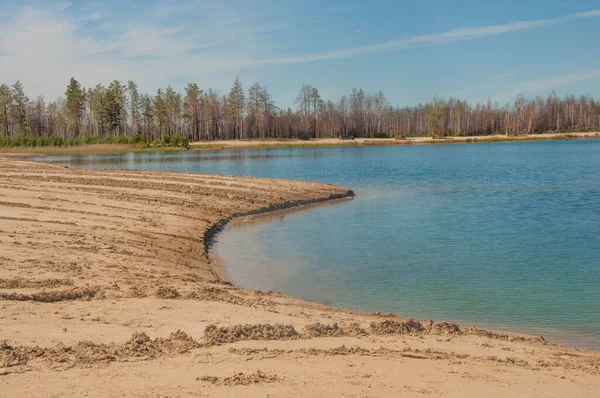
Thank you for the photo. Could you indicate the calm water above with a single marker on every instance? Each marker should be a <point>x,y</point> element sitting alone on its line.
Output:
<point>504,235</point>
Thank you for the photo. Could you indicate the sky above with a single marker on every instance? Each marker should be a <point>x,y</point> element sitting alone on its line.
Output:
<point>411,50</point>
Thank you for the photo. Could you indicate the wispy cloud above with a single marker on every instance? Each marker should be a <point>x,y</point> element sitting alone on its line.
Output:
<point>44,47</point>
<point>588,14</point>
<point>553,82</point>
<point>208,41</point>
<point>450,36</point>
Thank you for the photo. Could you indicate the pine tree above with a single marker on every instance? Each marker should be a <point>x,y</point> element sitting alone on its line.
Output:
<point>134,105</point>
<point>237,104</point>
<point>191,108</point>
<point>19,109</point>
<point>75,102</point>
<point>113,106</point>
<point>5,107</point>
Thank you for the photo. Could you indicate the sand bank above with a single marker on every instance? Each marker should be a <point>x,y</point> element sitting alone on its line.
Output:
<point>105,290</point>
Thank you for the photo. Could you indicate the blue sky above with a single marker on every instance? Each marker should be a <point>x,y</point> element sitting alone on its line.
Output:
<point>410,50</point>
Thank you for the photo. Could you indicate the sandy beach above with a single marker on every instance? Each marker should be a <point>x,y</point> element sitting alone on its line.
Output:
<point>108,288</point>
<point>233,144</point>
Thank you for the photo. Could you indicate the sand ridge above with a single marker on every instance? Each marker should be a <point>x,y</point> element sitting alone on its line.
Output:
<point>106,290</point>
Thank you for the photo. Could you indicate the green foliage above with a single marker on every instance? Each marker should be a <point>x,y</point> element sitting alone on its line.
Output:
<point>138,140</point>
<point>435,113</point>
<point>175,141</point>
<point>382,135</point>
<point>75,104</point>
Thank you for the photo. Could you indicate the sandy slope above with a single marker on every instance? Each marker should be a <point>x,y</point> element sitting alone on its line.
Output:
<point>105,290</point>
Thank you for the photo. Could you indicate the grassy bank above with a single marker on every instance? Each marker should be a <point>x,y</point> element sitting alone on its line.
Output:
<point>93,144</point>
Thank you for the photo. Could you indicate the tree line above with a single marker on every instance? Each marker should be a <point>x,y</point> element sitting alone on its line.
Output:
<point>120,110</point>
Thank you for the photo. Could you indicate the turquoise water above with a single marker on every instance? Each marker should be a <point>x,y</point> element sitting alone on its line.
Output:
<point>503,235</point>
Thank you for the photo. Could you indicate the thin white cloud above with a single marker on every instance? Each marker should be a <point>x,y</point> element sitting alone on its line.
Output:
<point>588,14</point>
<point>424,40</point>
<point>553,82</point>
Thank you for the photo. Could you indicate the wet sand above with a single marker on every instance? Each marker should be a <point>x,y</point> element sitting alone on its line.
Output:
<point>106,290</point>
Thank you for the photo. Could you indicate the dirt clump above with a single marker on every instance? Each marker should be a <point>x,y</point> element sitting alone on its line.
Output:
<point>11,356</point>
<point>21,283</point>
<point>136,291</point>
<point>321,330</point>
<point>444,328</point>
<point>139,346</point>
<point>407,326</point>
<point>343,350</point>
<point>214,293</point>
<point>475,331</point>
<point>164,292</point>
<point>53,296</point>
<point>241,379</point>
<point>509,361</point>
<point>230,334</point>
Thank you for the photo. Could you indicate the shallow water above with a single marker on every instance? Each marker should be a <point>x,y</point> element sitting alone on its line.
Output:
<point>505,235</point>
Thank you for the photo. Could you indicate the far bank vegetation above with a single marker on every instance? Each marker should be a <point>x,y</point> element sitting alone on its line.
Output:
<point>119,113</point>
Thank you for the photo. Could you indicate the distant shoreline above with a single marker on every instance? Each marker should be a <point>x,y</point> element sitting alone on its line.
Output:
<point>109,149</point>
<point>292,143</point>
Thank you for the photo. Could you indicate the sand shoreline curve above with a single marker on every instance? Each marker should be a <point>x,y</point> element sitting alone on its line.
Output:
<point>219,265</point>
<point>106,290</point>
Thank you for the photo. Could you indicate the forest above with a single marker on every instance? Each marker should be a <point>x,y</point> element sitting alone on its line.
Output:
<point>120,113</point>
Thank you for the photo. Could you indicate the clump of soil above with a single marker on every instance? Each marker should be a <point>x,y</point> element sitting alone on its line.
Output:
<point>320,330</point>
<point>231,334</point>
<point>509,360</point>
<point>214,293</point>
<point>139,346</point>
<point>264,353</point>
<point>343,350</point>
<point>86,293</point>
<point>407,326</point>
<point>165,292</point>
<point>500,336</point>
<point>447,328</point>
<point>241,379</point>
<point>20,283</point>
<point>355,330</point>
<point>136,291</point>
<point>9,356</point>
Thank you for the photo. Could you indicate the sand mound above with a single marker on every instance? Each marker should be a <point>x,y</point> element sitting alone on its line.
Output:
<point>241,379</point>
<point>231,334</point>
<point>86,293</point>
